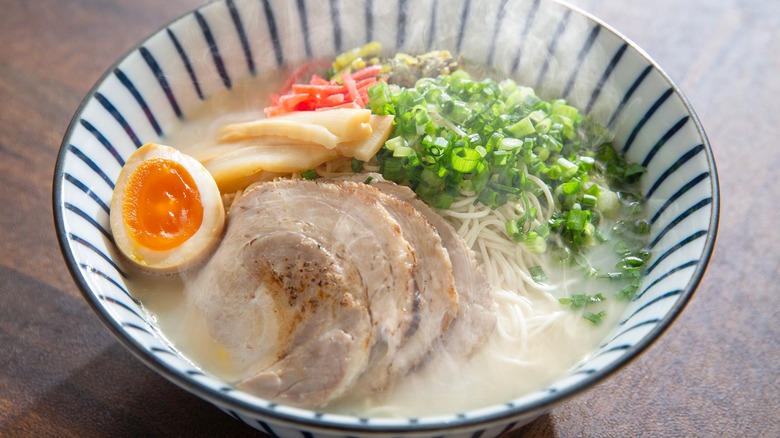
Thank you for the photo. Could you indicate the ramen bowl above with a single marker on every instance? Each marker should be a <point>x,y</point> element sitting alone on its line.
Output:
<point>555,48</point>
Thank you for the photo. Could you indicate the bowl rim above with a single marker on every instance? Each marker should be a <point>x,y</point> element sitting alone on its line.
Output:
<point>324,423</point>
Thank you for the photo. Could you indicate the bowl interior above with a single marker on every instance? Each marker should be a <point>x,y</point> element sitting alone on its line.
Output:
<point>554,48</point>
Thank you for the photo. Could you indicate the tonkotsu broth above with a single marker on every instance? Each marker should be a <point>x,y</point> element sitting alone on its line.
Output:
<point>537,339</point>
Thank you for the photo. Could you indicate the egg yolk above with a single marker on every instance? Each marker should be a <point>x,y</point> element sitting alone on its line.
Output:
<point>161,204</point>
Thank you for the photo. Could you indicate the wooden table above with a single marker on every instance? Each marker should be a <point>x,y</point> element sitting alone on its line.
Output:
<point>716,372</point>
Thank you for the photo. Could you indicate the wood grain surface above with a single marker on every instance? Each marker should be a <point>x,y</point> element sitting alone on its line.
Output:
<point>715,372</point>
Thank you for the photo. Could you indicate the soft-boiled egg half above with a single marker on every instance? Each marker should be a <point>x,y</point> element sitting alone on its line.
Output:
<point>166,210</point>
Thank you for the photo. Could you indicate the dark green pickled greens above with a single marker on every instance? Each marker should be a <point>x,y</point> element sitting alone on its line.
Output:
<point>456,136</point>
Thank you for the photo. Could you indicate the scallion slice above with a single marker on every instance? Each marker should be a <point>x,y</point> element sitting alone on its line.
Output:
<point>309,174</point>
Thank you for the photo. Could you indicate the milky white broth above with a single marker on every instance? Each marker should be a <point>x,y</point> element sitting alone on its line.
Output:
<point>537,340</point>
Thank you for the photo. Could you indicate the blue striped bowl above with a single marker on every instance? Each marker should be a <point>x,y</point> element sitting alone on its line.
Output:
<point>156,85</point>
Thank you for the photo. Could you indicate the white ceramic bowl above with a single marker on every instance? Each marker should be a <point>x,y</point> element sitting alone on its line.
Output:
<point>168,74</point>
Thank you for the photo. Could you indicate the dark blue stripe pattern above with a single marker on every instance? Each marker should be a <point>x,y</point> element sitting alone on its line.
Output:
<point>137,327</point>
<point>604,76</point>
<point>696,207</point>
<point>83,187</point>
<point>368,10</point>
<point>663,297</point>
<point>115,283</point>
<point>121,304</point>
<point>677,165</point>
<point>683,188</point>
<point>464,15</point>
<point>693,237</point>
<point>92,165</point>
<point>499,17</point>
<point>267,428</point>
<point>594,33</point>
<point>401,25</point>
<point>662,141</point>
<point>160,75</point>
<point>236,17</point>
<point>97,251</point>
<point>274,33</point>
<point>214,49</point>
<point>118,117</point>
<point>688,264</point>
<point>627,96</point>
<point>185,59</point>
<point>551,47</point>
<point>629,329</point>
<point>304,26</point>
<point>657,104</point>
<point>336,20</point>
<point>529,20</point>
<point>90,219</point>
<point>140,99</point>
<point>103,141</point>
<point>431,25</point>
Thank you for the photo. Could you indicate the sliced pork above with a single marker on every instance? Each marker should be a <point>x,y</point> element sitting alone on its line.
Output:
<point>293,278</point>
<point>325,287</point>
<point>476,317</point>
<point>436,302</point>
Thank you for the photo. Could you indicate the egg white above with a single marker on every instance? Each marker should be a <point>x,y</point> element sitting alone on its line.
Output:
<point>193,249</point>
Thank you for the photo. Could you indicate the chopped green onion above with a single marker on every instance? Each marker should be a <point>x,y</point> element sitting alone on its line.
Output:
<point>631,262</point>
<point>608,201</point>
<point>510,143</point>
<point>578,301</point>
<point>535,244</point>
<point>518,97</point>
<point>595,318</point>
<point>586,164</point>
<point>440,142</point>
<point>379,99</point>
<point>357,165</point>
<point>421,117</point>
<point>633,169</point>
<point>571,187</point>
<point>442,200</point>
<point>456,136</point>
<point>543,127</point>
<point>559,108</point>
<point>569,169</point>
<point>589,201</point>
<point>393,169</point>
<point>641,227</point>
<point>431,179</point>
<point>309,174</point>
<point>589,230</point>
<point>394,143</point>
<point>512,228</point>
<point>464,160</point>
<point>522,128</point>
<point>538,274</point>
<point>460,112</point>
<point>402,151</point>
<point>628,292</point>
<point>577,219</point>
<point>537,116</point>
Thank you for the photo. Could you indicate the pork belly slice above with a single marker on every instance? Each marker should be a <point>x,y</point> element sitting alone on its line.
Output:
<point>326,328</point>
<point>436,302</point>
<point>325,287</point>
<point>476,317</point>
<point>291,291</point>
